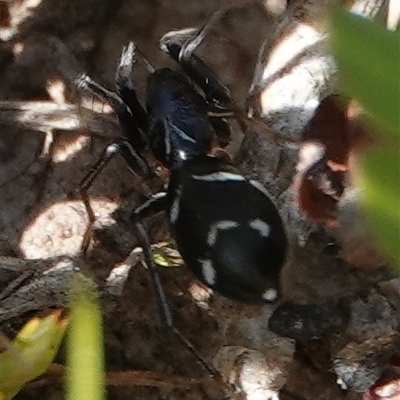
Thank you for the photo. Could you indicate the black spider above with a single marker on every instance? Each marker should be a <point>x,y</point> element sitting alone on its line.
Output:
<point>226,227</point>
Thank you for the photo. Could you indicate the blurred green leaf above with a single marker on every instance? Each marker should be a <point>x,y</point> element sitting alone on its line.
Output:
<point>368,57</point>
<point>379,176</point>
<point>31,353</point>
<point>85,353</point>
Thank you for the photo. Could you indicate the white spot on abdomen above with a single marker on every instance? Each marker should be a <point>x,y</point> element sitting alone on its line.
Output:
<point>208,272</point>
<point>174,211</point>
<point>221,225</point>
<point>219,177</point>
<point>260,226</point>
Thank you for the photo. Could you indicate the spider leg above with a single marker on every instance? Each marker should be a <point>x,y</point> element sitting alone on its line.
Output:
<point>84,186</point>
<point>133,120</point>
<point>181,46</point>
<point>135,163</point>
<point>130,119</point>
<point>155,204</point>
<point>192,44</point>
<point>126,87</point>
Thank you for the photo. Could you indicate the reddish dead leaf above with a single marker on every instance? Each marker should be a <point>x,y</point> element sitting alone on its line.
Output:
<point>318,187</point>
<point>329,128</point>
<point>4,14</point>
<point>323,167</point>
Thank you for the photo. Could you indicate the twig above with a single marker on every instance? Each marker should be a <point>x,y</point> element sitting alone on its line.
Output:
<point>44,116</point>
<point>56,373</point>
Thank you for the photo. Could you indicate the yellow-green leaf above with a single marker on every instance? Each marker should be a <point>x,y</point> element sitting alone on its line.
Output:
<point>85,353</point>
<point>165,255</point>
<point>31,353</point>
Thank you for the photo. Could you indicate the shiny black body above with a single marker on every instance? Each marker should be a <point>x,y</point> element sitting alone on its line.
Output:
<point>178,122</point>
<point>227,229</point>
<point>229,223</point>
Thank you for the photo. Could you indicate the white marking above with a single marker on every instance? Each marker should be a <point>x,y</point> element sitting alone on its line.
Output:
<point>262,227</point>
<point>270,294</point>
<point>260,187</point>
<point>221,225</point>
<point>219,177</point>
<point>183,135</point>
<point>208,272</point>
<point>174,211</point>
<point>182,155</point>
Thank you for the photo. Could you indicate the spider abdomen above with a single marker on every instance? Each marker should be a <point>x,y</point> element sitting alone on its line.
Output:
<point>227,229</point>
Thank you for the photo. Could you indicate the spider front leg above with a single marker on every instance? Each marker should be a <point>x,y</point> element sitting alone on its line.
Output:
<point>133,160</point>
<point>84,186</point>
<point>181,46</point>
<point>127,92</point>
<point>133,120</point>
<point>153,205</point>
